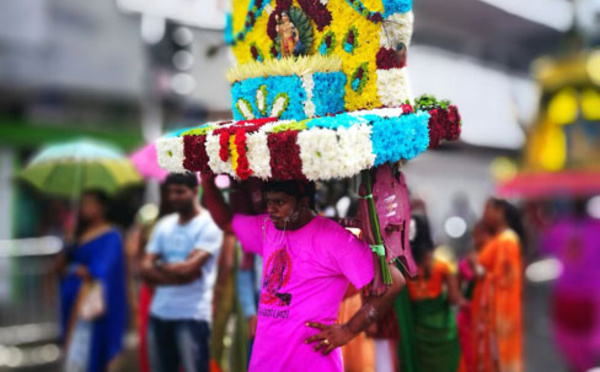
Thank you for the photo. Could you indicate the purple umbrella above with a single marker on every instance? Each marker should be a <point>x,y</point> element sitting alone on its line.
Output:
<point>146,163</point>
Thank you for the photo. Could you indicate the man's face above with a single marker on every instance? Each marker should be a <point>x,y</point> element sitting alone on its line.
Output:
<point>282,209</point>
<point>285,17</point>
<point>181,197</point>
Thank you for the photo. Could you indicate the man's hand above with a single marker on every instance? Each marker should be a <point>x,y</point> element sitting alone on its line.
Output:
<point>330,337</point>
<point>190,269</point>
<point>157,276</point>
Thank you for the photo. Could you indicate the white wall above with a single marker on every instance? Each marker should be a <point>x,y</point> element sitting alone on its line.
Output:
<point>489,99</point>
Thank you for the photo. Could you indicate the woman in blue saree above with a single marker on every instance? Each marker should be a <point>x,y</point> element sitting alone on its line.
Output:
<point>93,291</point>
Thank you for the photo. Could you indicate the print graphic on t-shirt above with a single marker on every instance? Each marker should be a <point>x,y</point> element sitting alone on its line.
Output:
<point>177,247</point>
<point>277,274</point>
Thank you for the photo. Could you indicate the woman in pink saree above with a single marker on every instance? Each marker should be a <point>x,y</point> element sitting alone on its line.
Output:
<point>575,241</point>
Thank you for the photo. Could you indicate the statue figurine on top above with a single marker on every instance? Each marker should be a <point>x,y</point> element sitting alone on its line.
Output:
<point>288,35</point>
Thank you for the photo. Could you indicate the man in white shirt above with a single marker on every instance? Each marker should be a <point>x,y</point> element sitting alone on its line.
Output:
<point>181,262</point>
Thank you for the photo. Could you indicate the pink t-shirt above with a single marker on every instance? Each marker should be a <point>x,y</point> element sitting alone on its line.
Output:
<point>305,275</point>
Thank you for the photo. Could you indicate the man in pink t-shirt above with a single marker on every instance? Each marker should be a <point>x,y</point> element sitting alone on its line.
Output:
<point>308,262</point>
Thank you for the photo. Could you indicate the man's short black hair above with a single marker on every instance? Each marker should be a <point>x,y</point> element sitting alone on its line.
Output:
<point>296,188</point>
<point>188,179</point>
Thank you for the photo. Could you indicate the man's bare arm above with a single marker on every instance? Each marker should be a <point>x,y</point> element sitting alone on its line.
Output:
<point>156,276</point>
<point>336,335</point>
<point>216,205</point>
<point>190,269</point>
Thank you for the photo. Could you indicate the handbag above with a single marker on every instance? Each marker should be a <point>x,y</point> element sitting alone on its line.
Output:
<point>93,306</point>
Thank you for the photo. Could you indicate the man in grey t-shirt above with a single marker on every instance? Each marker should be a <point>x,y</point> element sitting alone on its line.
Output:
<point>181,262</point>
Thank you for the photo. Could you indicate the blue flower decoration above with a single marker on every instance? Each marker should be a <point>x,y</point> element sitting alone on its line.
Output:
<point>399,138</point>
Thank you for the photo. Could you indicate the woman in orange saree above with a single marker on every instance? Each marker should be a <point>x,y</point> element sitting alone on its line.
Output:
<point>497,299</point>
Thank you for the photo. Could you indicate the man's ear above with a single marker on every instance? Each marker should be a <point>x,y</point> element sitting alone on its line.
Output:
<point>304,202</point>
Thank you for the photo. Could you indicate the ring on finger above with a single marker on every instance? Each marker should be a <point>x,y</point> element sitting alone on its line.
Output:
<point>326,342</point>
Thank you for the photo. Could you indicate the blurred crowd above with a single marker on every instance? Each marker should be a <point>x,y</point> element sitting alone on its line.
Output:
<point>192,293</point>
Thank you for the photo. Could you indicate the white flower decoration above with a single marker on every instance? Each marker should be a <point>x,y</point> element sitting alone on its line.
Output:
<point>258,155</point>
<point>397,28</point>
<point>261,99</point>
<point>169,152</point>
<point>245,109</point>
<point>308,84</point>
<point>213,147</point>
<point>328,154</point>
<point>356,149</point>
<point>269,9</point>
<point>280,104</point>
<point>393,86</point>
<point>318,151</point>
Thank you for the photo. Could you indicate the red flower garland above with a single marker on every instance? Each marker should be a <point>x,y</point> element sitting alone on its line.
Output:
<point>444,125</point>
<point>437,131</point>
<point>317,12</point>
<point>247,126</point>
<point>407,109</point>
<point>243,166</point>
<point>453,125</point>
<point>375,17</point>
<point>285,156</point>
<point>224,142</point>
<point>281,6</point>
<point>196,157</point>
<point>388,59</point>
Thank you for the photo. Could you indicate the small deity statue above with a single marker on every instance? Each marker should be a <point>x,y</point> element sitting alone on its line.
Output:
<point>288,34</point>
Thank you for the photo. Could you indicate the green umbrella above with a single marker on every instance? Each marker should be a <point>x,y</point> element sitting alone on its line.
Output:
<point>69,169</point>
